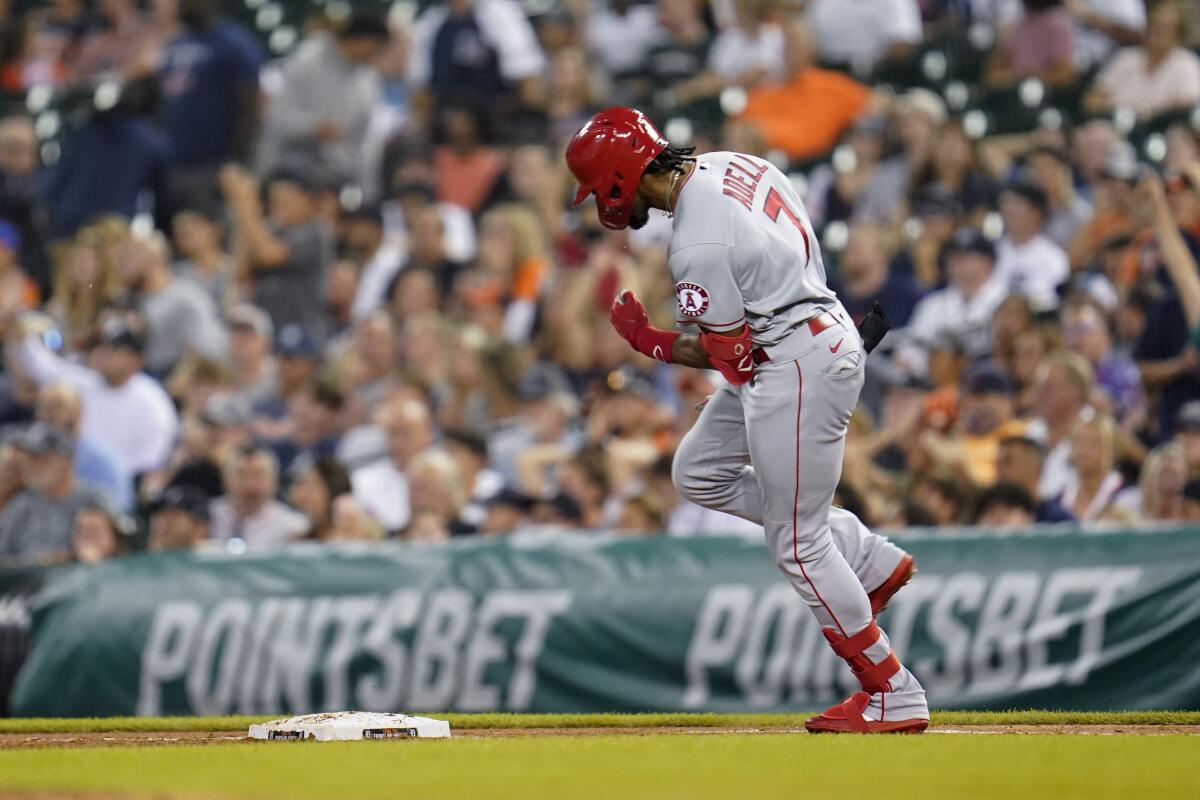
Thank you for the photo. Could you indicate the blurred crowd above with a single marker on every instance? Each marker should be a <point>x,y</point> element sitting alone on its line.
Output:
<point>262,285</point>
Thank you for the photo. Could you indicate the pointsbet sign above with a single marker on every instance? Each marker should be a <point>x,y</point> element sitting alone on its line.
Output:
<point>585,623</point>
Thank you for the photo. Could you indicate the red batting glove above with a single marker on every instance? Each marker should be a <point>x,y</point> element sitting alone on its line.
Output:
<point>628,317</point>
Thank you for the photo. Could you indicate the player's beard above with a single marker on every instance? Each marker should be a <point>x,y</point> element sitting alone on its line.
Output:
<point>639,217</point>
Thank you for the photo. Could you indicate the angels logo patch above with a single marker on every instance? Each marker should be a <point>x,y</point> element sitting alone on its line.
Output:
<point>693,299</point>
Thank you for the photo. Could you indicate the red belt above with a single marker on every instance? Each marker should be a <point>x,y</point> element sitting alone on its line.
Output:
<point>816,325</point>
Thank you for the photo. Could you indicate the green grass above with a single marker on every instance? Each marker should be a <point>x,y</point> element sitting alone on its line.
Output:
<point>500,721</point>
<point>695,767</point>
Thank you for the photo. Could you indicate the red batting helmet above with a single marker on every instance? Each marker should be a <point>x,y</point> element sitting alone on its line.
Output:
<point>608,157</point>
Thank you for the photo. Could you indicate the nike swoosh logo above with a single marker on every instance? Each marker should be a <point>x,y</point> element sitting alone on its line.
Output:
<point>833,348</point>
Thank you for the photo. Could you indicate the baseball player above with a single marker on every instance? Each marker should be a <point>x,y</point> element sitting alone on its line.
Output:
<point>767,446</point>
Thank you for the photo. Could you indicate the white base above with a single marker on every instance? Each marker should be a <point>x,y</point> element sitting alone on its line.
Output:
<point>344,726</point>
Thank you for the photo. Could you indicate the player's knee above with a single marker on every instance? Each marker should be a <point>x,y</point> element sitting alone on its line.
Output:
<point>691,484</point>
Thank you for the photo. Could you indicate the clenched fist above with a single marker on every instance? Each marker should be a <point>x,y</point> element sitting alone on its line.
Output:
<point>628,316</point>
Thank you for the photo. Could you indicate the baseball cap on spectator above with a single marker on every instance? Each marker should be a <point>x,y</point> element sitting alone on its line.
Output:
<point>365,24</point>
<point>986,378</point>
<point>1121,163</point>
<point>305,180</point>
<point>1031,193</point>
<point>970,240</point>
<point>115,332</point>
<point>10,237</point>
<point>42,439</point>
<point>251,318</point>
<point>187,499</point>
<point>224,410</point>
<point>1188,418</point>
<point>511,498</point>
<point>294,342</point>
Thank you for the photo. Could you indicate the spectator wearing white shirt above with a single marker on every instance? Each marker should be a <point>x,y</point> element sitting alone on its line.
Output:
<point>1158,75</point>
<point>862,33</point>
<point>1027,260</point>
<point>620,33</point>
<point>963,310</point>
<point>1101,26</point>
<point>749,51</point>
<point>124,410</point>
<point>249,510</point>
<point>323,97</point>
<point>382,487</point>
<point>1063,387</point>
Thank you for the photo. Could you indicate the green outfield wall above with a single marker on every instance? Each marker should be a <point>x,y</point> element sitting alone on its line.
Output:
<point>542,622</point>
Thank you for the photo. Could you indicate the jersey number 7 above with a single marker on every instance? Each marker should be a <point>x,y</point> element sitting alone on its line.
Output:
<point>774,205</point>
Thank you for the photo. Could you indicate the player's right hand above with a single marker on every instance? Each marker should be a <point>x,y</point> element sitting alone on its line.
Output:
<point>628,316</point>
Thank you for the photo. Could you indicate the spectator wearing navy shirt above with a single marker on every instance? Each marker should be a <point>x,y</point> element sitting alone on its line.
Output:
<point>209,82</point>
<point>865,278</point>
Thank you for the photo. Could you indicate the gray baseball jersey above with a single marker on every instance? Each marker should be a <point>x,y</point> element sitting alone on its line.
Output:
<point>770,450</point>
<point>744,251</point>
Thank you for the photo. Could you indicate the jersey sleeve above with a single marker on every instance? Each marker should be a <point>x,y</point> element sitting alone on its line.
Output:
<point>706,293</point>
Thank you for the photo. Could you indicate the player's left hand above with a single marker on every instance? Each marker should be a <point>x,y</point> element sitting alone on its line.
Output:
<point>628,316</point>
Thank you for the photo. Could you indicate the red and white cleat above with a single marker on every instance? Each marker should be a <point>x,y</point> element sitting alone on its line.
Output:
<point>847,717</point>
<point>901,575</point>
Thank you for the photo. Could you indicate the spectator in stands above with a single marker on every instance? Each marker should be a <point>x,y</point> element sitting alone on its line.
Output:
<point>19,201</point>
<point>1005,505</point>
<point>286,250</point>
<point>320,111</point>
<point>964,308</point>
<point>180,316</point>
<point>944,498</point>
<point>1086,331</point>
<point>1019,462</point>
<point>507,511</point>
<point>805,114</point>
<point>479,51</point>
<point>437,495</point>
<point>382,487</point>
<point>313,491</point>
<point>296,365</point>
<point>1027,260</point>
<point>113,164</point>
<point>467,167</point>
<point>675,67</point>
<point>1164,474</point>
<point>314,413</point>
<point>60,405</point>
<point>248,510</point>
<point>469,451</point>
<point>1039,44</point>
<point>1096,490</point>
<point>351,523</point>
<point>952,167</point>
<point>124,410</point>
<point>620,33</point>
<point>864,33</point>
<point>748,51</point>
<point>211,98</point>
<point>255,372</point>
<point>379,257</point>
<point>1050,168</point>
<point>1063,389</point>
<point>1157,76</point>
<point>96,535</point>
<point>1103,25</point>
<point>197,234</point>
<point>38,521</point>
<point>178,520</point>
<point>866,278</point>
